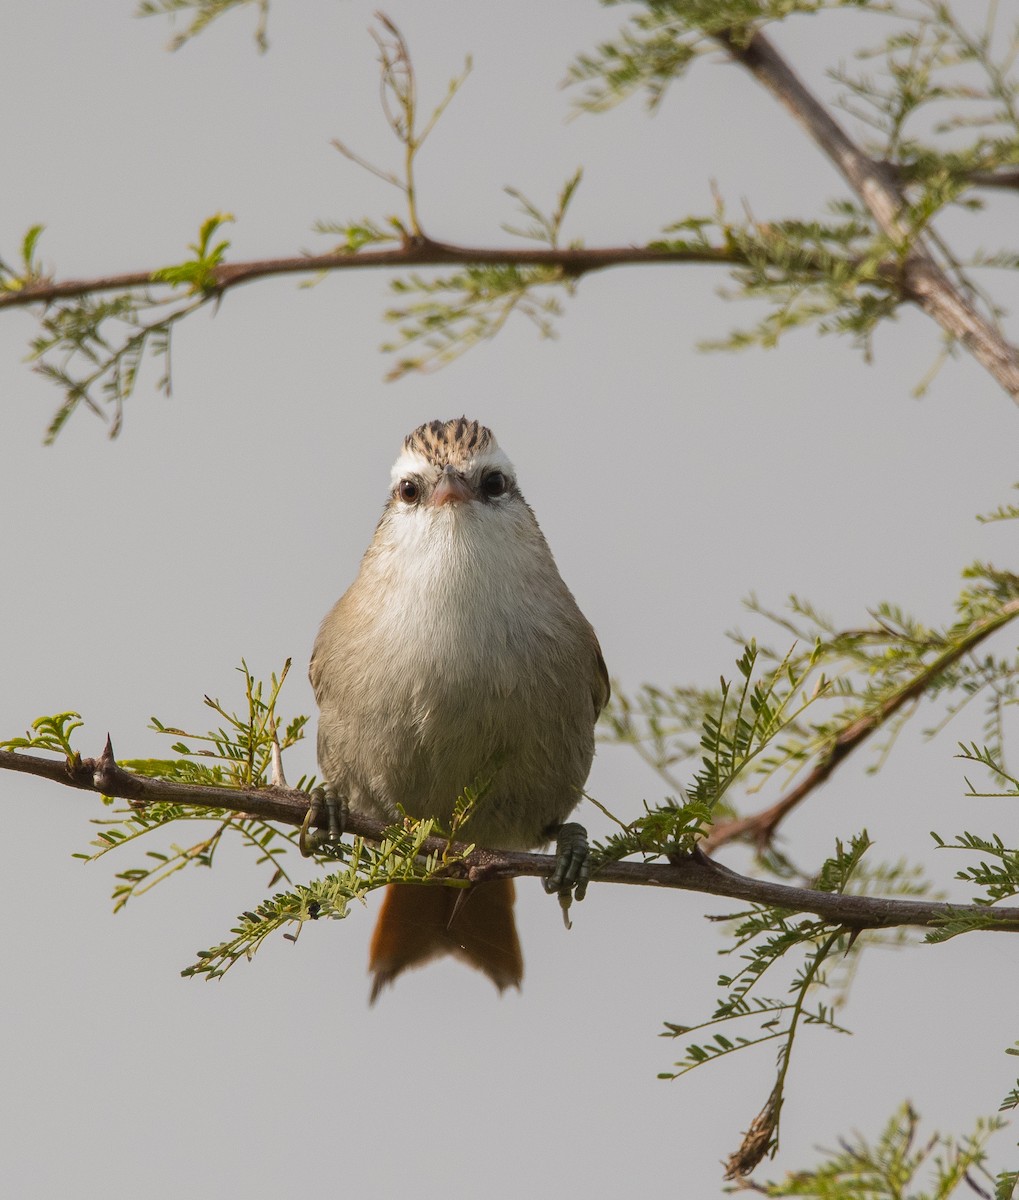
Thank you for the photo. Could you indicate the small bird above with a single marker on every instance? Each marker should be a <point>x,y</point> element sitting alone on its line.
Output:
<point>458,658</point>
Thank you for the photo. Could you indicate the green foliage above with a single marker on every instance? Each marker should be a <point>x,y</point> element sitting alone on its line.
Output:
<point>441,317</point>
<point>935,77</point>
<point>840,276</point>
<point>737,725</point>
<point>245,751</point>
<point>663,727</point>
<point>198,274</point>
<point>13,279</point>
<point>940,97</point>
<point>451,314</point>
<point>1004,512</point>
<point>1012,1099</point>
<point>855,683</point>
<point>1005,1185</point>
<point>367,867</point>
<point>241,753</point>
<point>363,234</point>
<point>267,841</point>
<point>791,718</point>
<point>835,276</point>
<point>660,41</point>
<point>51,733</point>
<point>444,316</point>
<point>93,347</point>
<point>397,858</point>
<point>764,937</point>
<point>898,1166</point>
<point>997,876</point>
<point>204,13</point>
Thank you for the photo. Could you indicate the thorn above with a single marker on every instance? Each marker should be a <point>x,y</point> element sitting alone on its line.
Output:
<point>697,855</point>
<point>104,768</point>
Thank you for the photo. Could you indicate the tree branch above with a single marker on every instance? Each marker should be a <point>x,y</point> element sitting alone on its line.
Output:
<point>994,179</point>
<point>693,873</point>
<point>1006,179</point>
<point>417,252</point>
<point>760,827</point>
<point>923,280</point>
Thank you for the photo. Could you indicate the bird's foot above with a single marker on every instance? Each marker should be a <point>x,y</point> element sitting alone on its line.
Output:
<point>572,871</point>
<point>337,809</point>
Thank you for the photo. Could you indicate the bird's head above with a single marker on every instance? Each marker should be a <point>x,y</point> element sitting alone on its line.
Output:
<point>452,465</point>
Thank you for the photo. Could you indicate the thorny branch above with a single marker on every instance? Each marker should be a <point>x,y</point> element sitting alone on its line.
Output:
<point>694,873</point>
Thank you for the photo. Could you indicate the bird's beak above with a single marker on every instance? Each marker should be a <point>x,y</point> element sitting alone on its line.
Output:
<point>451,488</point>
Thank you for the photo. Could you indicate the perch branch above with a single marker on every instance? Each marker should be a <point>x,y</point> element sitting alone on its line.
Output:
<point>695,872</point>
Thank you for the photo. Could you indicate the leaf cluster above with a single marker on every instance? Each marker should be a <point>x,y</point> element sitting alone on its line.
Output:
<point>92,347</point>
<point>890,1167</point>
<point>840,275</point>
<point>997,875</point>
<point>442,317</point>
<point>51,733</point>
<point>737,724</point>
<point>203,13</point>
<point>268,841</point>
<point>762,938</point>
<point>834,276</point>
<point>660,41</point>
<point>854,682</point>
<point>367,867</point>
<point>30,269</point>
<point>242,752</point>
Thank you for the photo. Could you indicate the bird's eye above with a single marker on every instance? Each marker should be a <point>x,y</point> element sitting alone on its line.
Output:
<point>409,491</point>
<point>494,484</point>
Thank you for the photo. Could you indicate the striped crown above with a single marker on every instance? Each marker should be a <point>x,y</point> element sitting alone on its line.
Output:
<point>453,442</point>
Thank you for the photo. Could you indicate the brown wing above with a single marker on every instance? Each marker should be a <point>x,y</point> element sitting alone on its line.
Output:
<point>601,689</point>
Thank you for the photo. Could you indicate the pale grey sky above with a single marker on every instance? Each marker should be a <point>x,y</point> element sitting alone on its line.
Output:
<point>227,519</point>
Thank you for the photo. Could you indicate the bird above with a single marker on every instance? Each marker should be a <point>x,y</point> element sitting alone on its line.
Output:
<point>458,659</point>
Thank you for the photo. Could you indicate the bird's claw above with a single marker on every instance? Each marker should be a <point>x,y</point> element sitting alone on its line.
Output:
<point>572,871</point>
<point>337,809</point>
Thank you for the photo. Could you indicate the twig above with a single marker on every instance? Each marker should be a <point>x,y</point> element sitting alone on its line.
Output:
<point>693,873</point>
<point>760,827</point>
<point>1006,178</point>
<point>923,280</point>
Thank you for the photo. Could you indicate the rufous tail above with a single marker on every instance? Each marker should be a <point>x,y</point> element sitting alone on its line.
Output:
<point>420,922</point>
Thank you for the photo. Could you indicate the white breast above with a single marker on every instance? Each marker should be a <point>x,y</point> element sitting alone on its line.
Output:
<point>458,657</point>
